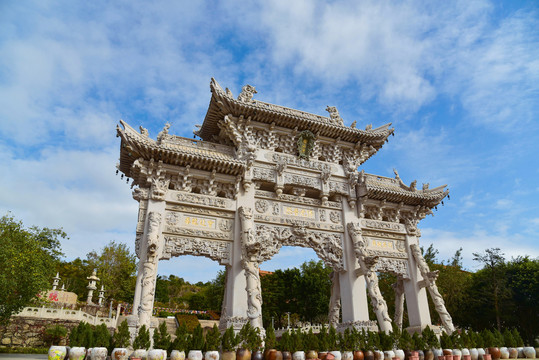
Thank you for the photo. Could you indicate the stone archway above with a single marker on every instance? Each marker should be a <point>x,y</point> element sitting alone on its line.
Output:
<point>265,176</point>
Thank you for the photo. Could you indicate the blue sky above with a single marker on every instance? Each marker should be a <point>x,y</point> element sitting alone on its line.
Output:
<point>459,80</point>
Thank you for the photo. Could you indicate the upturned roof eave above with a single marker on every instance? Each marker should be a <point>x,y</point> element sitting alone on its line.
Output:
<point>222,104</point>
<point>135,145</point>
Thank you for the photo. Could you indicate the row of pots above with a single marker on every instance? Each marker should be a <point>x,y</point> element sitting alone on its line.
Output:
<point>100,353</point>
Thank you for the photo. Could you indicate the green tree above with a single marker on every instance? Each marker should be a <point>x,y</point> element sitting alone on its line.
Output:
<point>27,262</point>
<point>213,339</point>
<point>182,338</point>
<point>102,336</point>
<point>230,340</point>
<point>493,261</point>
<point>122,338</point>
<point>142,340</point>
<point>73,275</point>
<point>270,341</point>
<point>161,337</point>
<point>196,341</point>
<point>54,334</point>
<point>116,267</point>
<point>311,341</point>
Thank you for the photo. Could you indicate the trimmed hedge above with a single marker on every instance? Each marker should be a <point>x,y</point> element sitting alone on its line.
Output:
<point>190,321</point>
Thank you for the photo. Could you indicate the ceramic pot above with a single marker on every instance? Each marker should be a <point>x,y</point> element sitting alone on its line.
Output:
<point>437,353</point>
<point>119,354</point>
<point>465,352</point>
<point>504,353</point>
<point>298,355</point>
<point>428,354</point>
<point>194,355</point>
<point>212,355</point>
<point>474,353</point>
<point>228,355</point>
<point>529,352</point>
<point>399,353</point>
<point>457,352</point>
<point>178,355</point>
<point>448,357</point>
<point>466,357</point>
<point>57,352</point>
<point>456,357</point>
<point>140,354</point>
<point>157,354</point>
<point>389,355</point>
<point>420,355</point>
<point>337,354</point>
<point>359,355</point>
<point>513,353</point>
<point>311,355</point>
<point>243,354</point>
<point>329,356</point>
<point>286,355</point>
<point>487,357</point>
<point>322,355</point>
<point>275,355</point>
<point>494,352</point>
<point>77,353</point>
<point>368,355</point>
<point>347,355</point>
<point>378,355</point>
<point>256,355</point>
<point>447,351</point>
<point>408,354</point>
<point>99,353</point>
<point>480,353</point>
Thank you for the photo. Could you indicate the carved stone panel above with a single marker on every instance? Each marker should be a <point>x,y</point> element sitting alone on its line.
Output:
<point>182,245</point>
<point>327,245</point>
<point>200,200</point>
<point>213,227</point>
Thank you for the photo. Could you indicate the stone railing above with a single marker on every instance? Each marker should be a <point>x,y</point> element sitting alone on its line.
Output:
<point>66,314</point>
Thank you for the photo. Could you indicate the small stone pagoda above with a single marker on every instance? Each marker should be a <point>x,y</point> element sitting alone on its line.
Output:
<point>266,176</point>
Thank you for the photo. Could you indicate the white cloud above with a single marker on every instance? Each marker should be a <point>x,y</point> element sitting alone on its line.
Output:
<point>477,241</point>
<point>457,49</point>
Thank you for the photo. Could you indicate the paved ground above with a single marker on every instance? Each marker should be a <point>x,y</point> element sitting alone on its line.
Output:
<point>24,356</point>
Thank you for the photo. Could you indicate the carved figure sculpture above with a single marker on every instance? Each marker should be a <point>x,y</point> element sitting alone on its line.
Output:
<point>334,115</point>
<point>335,300</point>
<point>144,131</point>
<point>430,280</point>
<point>399,301</point>
<point>149,269</point>
<point>247,92</point>
<point>163,133</point>
<point>368,264</point>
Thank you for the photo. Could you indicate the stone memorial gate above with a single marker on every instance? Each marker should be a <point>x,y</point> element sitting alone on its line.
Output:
<point>266,176</point>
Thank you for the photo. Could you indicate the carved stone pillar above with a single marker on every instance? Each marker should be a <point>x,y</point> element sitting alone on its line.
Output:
<point>352,286</point>
<point>149,269</point>
<point>399,301</point>
<point>367,265</point>
<point>249,262</point>
<point>429,280</point>
<point>416,297</point>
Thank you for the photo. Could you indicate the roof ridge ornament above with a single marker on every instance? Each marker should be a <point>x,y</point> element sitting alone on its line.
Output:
<point>247,92</point>
<point>334,116</point>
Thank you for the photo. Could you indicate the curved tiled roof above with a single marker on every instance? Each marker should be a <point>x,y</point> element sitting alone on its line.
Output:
<point>222,103</point>
<point>394,190</point>
<point>175,150</point>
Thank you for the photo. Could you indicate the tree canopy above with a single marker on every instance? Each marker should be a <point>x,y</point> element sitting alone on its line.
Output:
<point>27,263</point>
